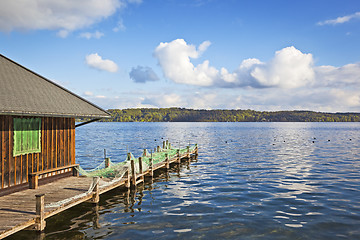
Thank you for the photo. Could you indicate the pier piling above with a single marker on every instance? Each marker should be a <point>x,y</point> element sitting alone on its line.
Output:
<point>40,213</point>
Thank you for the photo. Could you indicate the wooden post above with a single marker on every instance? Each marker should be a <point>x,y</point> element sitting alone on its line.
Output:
<point>140,165</point>
<point>167,144</point>
<point>164,145</point>
<point>40,213</point>
<point>167,165</point>
<point>151,166</point>
<point>107,162</point>
<point>95,198</point>
<point>188,153</point>
<point>33,181</point>
<point>144,153</point>
<point>178,155</point>
<point>75,172</point>
<point>133,174</point>
<point>127,184</point>
<point>158,149</point>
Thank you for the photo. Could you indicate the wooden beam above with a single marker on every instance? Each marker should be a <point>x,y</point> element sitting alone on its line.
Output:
<point>127,184</point>
<point>95,198</point>
<point>151,172</point>
<point>167,164</point>
<point>40,213</point>
<point>107,162</point>
<point>133,173</point>
<point>140,165</point>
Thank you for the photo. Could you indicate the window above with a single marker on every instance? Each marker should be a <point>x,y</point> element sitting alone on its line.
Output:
<point>27,134</point>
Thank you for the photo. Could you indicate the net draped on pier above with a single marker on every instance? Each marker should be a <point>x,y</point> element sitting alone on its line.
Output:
<point>117,170</point>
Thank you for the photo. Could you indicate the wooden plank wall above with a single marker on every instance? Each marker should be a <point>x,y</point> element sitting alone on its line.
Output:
<point>57,150</point>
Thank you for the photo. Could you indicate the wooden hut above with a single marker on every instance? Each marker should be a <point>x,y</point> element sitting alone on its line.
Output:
<point>37,127</point>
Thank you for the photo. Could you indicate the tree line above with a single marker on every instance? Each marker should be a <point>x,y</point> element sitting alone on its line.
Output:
<point>218,115</point>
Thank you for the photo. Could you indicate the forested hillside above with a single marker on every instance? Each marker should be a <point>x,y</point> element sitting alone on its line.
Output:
<point>191,115</point>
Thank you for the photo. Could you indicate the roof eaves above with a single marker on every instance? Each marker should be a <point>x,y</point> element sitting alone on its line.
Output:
<point>36,114</point>
<point>57,85</point>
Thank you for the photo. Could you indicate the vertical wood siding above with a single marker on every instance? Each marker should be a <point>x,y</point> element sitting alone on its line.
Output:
<point>57,150</point>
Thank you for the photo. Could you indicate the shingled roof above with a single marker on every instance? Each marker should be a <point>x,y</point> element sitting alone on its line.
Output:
<point>24,92</point>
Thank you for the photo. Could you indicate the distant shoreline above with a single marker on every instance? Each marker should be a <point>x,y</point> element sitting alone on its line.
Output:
<point>194,115</point>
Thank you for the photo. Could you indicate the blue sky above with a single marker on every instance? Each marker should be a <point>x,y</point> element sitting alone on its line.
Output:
<point>204,54</point>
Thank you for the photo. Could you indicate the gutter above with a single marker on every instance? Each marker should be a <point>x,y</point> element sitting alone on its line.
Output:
<point>84,123</point>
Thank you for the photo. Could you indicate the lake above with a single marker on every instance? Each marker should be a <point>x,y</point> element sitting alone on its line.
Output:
<point>250,181</point>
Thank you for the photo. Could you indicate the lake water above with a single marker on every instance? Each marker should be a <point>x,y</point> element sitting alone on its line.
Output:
<point>250,181</point>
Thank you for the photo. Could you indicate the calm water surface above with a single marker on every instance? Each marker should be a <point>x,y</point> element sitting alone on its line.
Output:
<point>250,181</point>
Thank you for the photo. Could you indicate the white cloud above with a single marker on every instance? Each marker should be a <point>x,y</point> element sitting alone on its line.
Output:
<point>63,33</point>
<point>340,20</point>
<point>96,61</point>
<point>264,99</point>
<point>328,100</point>
<point>338,77</point>
<point>290,80</point>
<point>88,94</point>
<point>289,68</point>
<point>89,35</point>
<point>64,16</point>
<point>174,58</point>
<point>165,100</point>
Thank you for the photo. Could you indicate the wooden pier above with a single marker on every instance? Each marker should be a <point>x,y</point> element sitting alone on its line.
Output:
<point>30,208</point>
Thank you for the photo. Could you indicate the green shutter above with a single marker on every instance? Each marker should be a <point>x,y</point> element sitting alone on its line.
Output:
<point>27,134</point>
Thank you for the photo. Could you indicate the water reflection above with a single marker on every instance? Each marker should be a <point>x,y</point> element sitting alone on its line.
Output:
<point>292,151</point>
<point>251,181</point>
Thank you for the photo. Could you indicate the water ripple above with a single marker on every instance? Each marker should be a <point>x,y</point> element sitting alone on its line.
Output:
<point>250,181</point>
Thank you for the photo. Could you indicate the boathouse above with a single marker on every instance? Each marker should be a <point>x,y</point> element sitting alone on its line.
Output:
<point>37,127</point>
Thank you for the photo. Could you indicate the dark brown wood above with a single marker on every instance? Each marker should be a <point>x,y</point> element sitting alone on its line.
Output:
<point>2,149</point>
<point>14,189</point>
<point>42,145</point>
<point>75,172</point>
<point>33,181</point>
<point>72,141</point>
<point>9,145</point>
<point>52,144</point>
<point>57,149</point>
<point>140,165</point>
<point>62,142</point>
<point>35,158</point>
<point>18,210</point>
<point>40,212</point>
<point>46,145</point>
<point>151,168</point>
<point>167,165</point>
<point>127,176</point>
<point>67,141</point>
<point>1,161</point>
<point>178,156</point>
<point>107,162</point>
<point>34,176</point>
<point>95,198</point>
<point>133,173</point>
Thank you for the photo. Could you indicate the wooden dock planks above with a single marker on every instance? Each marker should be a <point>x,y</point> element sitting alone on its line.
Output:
<point>18,210</point>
